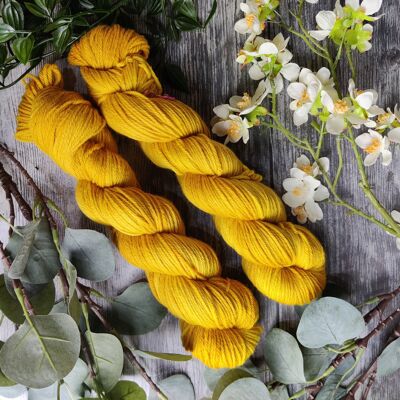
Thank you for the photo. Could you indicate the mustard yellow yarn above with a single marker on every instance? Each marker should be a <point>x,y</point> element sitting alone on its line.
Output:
<point>218,316</point>
<point>284,261</point>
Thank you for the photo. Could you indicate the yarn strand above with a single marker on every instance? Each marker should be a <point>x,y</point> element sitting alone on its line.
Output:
<point>283,260</point>
<point>218,316</point>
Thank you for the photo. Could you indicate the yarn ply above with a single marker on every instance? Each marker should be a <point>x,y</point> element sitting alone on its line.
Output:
<point>283,260</point>
<point>218,316</point>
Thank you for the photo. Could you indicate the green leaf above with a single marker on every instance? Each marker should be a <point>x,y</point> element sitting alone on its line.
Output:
<point>126,390</point>
<point>108,357</point>
<point>316,361</point>
<point>90,252</point>
<point>136,311</point>
<point>3,53</point>
<point>163,356</point>
<point>56,24</point>
<point>240,384</point>
<point>22,49</point>
<point>211,14</point>
<point>72,387</point>
<point>13,14</point>
<point>329,321</point>
<point>43,263</point>
<point>155,7</point>
<point>175,77</point>
<point>175,387</point>
<point>283,356</point>
<point>389,360</point>
<point>279,393</point>
<point>56,343</point>
<point>36,10</point>
<point>6,32</point>
<point>86,4</point>
<point>4,381</point>
<point>332,389</point>
<point>61,37</point>
<point>42,302</point>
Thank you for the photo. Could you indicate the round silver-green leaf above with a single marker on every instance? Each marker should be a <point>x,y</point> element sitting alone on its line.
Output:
<point>90,252</point>
<point>176,387</point>
<point>39,355</point>
<point>136,311</point>
<point>389,360</point>
<point>127,390</point>
<point>247,388</point>
<point>329,321</point>
<point>163,356</point>
<point>283,356</point>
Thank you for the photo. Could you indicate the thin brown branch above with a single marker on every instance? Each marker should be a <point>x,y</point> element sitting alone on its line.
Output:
<point>384,301</point>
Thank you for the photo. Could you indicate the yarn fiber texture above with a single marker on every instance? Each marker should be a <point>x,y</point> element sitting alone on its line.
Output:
<point>283,260</point>
<point>218,316</point>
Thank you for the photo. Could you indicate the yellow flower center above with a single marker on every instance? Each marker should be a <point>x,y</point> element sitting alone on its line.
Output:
<point>305,98</point>
<point>250,20</point>
<point>246,101</point>
<point>299,211</point>
<point>383,118</point>
<point>374,146</point>
<point>297,192</point>
<point>308,169</point>
<point>341,107</point>
<point>233,129</point>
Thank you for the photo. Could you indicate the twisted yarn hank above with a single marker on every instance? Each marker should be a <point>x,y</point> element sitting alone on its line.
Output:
<point>283,260</point>
<point>218,316</point>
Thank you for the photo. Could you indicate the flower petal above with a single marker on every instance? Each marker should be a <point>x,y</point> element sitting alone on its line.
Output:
<point>395,215</point>
<point>300,116</point>
<point>313,210</point>
<point>320,34</point>
<point>256,73</point>
<point>322,193</point>
<point>290,71</point>
<point>327,101</point>
<point>326,19</point>
<point>222,111</point>
<point>394,135</point>
<point>296,90</point>
<point>386,157</point>
<point>335,125</point>
<point>294,201</point>
<point>363,140</point>
<point>365,100</point>
<point>371,6</point>
<point>242,27</point>
<point>371,159</point>
<point>291,183</point>
<point>268,48</point>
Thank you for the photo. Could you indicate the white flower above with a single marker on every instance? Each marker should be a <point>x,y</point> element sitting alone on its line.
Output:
<point>374,144</point>
<point>325,22</point>
<point>304,164</point>
<point>303,191</point>
<point>251,21</point>
<point>396,216</point>
<point>369,7</point>
<point>304,93</point>
<point>385,120</point>
<point>242,105</point>
<point>271,60</point>
<point>234,128</point>
<point>312,1</point>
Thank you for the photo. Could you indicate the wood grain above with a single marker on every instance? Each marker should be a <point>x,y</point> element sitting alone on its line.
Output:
<point>362,259</point>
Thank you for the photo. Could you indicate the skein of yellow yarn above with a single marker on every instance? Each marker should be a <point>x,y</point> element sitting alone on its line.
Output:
<point>283,260</point>
<point>218,316</point>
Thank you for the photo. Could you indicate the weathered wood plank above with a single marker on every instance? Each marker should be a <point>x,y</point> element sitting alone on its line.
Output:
<point>362,259</point>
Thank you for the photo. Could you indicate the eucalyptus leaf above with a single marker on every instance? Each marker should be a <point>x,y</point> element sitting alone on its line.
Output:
<point>389,360</point>
<point>126,390</point>
<point>22,49</point>
<point>316,361</point>
<point>56,341</point>
<point>108,357</point>
<point>4,381</point>
<point>163,356</point>
<point>13,14</point>
<point>329,321</point>
<point>72,386</point>
<point>43,263</point>
<point>42,302</point>
<point>6,32</point>
<point>279,393</point>
<point>136,311</point>
<point>230,376</point>
<point>176,387</point>
<point>332,389</point>
<point>90,252</point>
<point>283,356</point>
<point>245,389</point>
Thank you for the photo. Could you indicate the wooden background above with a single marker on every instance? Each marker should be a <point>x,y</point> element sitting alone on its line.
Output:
<point>362,259</point>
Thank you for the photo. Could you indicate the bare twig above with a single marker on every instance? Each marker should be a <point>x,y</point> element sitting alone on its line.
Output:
<point>384,301</point>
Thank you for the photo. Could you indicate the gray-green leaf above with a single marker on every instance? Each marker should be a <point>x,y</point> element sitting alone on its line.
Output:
<point>389,360</point>
<point>316,361</point>
<point>43,263</point>
<point>37,356</point>
<point>4,381</point>
<point>176,387</point>
<point>72,386</point>
<point>163,356</point>
<point>279,393</point>
<point>90,252</point>
<point>126,390</point>
<point>108,357</point>
<point>42,302</point>
<point>283,356</point>
<point>136,311</point>
<point>329,321</point>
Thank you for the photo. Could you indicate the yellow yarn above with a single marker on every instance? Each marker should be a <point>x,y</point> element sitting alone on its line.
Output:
<point>284,261</point>
<point>218,316</point>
